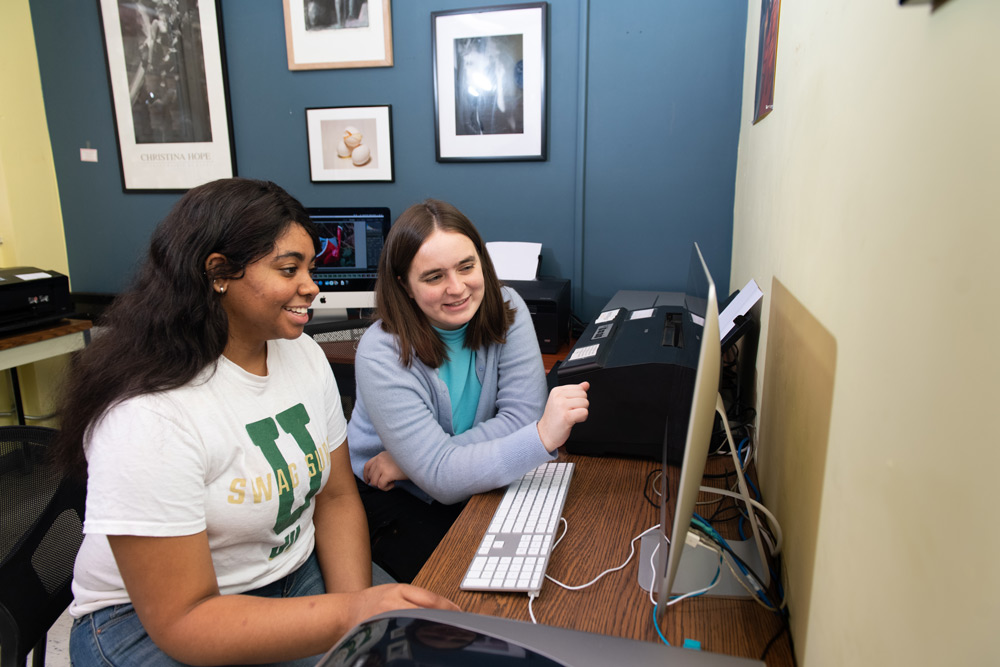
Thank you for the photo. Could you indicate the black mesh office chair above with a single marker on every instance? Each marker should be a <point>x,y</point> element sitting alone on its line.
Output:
<point>41,528</point>
<point>339,340</point>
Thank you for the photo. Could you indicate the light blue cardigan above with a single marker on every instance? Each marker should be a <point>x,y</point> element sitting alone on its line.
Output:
<point>407,412</point>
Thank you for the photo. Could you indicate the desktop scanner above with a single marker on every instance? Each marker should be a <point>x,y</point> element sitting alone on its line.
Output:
<point>639,355</point>
<point>433,637</point>
<point>31,298</point>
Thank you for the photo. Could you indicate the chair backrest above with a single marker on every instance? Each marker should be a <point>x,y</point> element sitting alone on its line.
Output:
<point>41,529</point>
<point>339,340</point>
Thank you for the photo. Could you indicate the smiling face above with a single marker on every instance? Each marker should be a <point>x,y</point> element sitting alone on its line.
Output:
<point>272,298</point>
<point>446,279</point>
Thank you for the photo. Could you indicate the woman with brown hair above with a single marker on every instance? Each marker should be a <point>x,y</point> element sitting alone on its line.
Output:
<point>451,394</point>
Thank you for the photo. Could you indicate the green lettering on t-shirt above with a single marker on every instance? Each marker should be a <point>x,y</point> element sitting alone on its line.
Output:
<point>264,434</point>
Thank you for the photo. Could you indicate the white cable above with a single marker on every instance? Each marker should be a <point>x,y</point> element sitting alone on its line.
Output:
<point>608,571</point>
<point>565,523</point>
<point>531,612</point>
<point>652,572</point>
<point>713,584</point>
<point>772,521</point>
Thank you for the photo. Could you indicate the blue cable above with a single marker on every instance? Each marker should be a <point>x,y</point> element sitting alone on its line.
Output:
<point>707,527</point>
<point>657,625</point>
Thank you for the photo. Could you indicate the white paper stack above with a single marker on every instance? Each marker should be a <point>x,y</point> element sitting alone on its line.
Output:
<point>515,260</point>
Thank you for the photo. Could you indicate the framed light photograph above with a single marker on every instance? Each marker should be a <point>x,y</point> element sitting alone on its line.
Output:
<point>489,83</point>
<point>331,34</point>
<point>350,144</point>
<point>169,93</point>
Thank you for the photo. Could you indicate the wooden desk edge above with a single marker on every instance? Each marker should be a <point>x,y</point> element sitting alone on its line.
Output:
<point>62,328</point>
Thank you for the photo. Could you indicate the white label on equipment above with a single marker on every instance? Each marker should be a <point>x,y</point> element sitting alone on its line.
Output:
<point>606,316</point>
<point>643,314</point>
<point>584,352</point>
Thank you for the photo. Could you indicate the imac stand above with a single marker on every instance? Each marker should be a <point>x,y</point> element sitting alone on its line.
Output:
<point>698,565</point>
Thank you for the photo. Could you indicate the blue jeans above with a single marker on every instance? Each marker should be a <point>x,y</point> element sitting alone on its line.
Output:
<point>114,636</point>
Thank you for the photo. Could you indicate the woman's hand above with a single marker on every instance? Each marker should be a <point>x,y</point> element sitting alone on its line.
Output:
<point>382,471</point>
<point>390,597</point>
<point>567,405</point>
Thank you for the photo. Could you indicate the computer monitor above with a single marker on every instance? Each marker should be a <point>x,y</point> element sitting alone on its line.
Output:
<point>703,319</point>
<point>351,242</point>
<point>682,568</point>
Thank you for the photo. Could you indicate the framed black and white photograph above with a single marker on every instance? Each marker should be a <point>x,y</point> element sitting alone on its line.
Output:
<point>169,93</point>
<point>331,34</point>
<point>489,83</point>
<point>350,143</point>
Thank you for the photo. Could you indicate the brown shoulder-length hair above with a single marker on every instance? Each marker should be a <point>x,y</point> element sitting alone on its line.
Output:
<point>402,317</point>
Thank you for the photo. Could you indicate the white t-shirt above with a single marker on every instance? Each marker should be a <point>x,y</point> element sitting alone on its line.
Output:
<point>236,454</point>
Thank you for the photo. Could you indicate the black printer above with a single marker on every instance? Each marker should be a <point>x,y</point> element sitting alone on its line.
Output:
<point>640,356</point>
<point>31,298</point>
<point>548,302</point>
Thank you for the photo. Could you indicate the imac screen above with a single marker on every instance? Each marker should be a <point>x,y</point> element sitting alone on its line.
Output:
<point>351,241</point>
<point>681,490</point>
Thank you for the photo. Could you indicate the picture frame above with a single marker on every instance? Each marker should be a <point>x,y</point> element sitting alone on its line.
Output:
<point>335,34</point>
<point>490,74</point>
<point>767,55</point>
<point>350,144</point>
<point>169,93</point>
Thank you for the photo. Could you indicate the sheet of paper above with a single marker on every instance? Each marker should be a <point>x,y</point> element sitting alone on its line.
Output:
<point>34,276</point>
<point>744,301</point>
<point>515,260</point>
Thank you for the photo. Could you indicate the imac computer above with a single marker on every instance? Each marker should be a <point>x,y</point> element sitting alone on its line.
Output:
<point>440,638</point>
<point>681,567</point>
<point>351,241</point>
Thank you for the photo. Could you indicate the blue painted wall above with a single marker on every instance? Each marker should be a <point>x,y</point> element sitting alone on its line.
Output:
<point>643,107</point>
<point>665,87</point>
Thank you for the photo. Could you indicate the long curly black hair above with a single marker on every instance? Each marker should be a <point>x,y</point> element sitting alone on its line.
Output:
<point>170,324</point>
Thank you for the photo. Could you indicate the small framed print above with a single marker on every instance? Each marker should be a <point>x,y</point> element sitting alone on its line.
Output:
<point>169,93</point>
<point>489,83</point>
<point>350,143</point>
<point>332,34</point>
<point>767,54</point>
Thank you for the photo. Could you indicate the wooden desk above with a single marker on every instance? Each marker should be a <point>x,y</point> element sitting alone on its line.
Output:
<point>26,348</point>
<point>605,509</point>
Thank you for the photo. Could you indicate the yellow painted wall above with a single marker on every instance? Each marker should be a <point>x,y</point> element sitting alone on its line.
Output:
<point>31,227</point>
<point>867,209</point>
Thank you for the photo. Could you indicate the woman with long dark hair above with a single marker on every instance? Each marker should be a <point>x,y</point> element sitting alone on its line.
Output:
<point>451,394</point>
<point>223,525</point>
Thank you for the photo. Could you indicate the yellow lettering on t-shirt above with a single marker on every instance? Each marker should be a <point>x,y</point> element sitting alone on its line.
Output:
<point>260,490</point>
<point>237,486</point>
<point>282,481</point>
<point>292,470</point>
<point>311,462</point>
<point>323,456</point>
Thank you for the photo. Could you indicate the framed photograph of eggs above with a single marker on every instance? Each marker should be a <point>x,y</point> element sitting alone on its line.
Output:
<point>489,83</point>
<point>350,143</point>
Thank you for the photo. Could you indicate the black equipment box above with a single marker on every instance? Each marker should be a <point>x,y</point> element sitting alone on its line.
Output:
<point>31,298</point>
<point>548,302</point>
